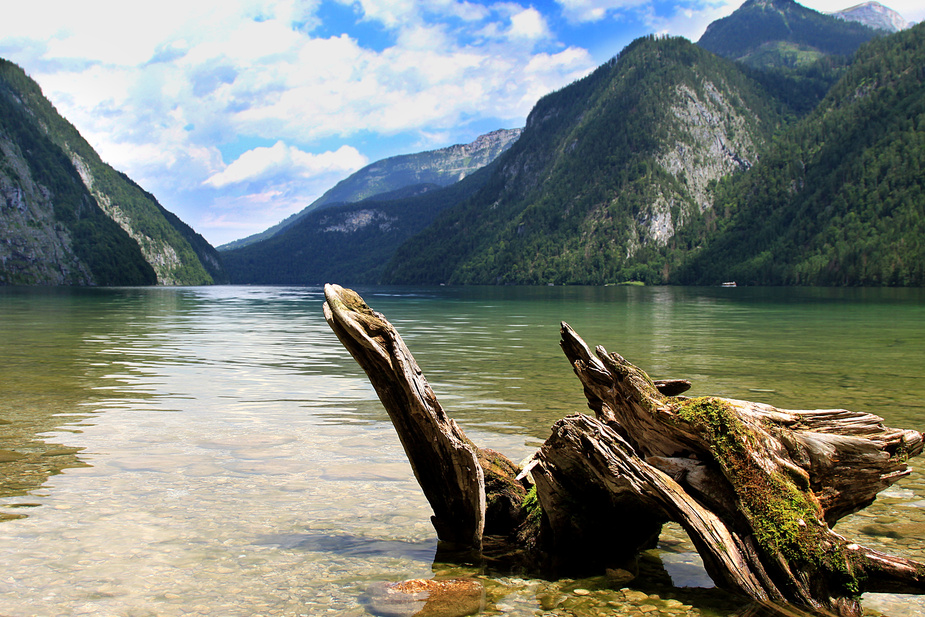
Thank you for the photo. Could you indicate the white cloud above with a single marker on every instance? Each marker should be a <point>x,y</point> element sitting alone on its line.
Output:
<point>399,14</point>
<point>529,24</point>
<point>689,21</point>
<point>391,13</point>
<point>282,160</point>
<point>595,10</point>
<point>160,90</point>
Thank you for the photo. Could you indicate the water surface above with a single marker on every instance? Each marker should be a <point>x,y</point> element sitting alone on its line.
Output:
<point>215,451</point>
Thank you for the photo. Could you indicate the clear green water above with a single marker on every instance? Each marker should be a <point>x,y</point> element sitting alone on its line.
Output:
<point>214,451</point>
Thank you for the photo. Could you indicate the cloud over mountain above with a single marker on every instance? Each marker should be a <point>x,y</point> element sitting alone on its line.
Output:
<point>177,93</point>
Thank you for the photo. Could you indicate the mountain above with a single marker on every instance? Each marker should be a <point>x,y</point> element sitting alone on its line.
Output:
<point>57,196</point>
<point>350,243</point>
<point>840,198</point>
<point>52,232</point>
<point>417,172</point>
<point>668,164</point>
<point>796,53</point>
<point>768,33</point>
<point>441,167</point>
<point>874,15</point>
<point>607,174</point>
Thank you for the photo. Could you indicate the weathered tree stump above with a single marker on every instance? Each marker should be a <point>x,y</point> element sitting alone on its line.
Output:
<point>445,462</point>
<point>756,488</point>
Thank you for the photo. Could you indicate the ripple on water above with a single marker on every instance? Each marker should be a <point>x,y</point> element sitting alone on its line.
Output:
<point>217,452</point>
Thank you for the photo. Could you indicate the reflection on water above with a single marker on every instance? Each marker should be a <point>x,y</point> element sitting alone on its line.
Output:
<point>47,377</point>
<point>214,451</point>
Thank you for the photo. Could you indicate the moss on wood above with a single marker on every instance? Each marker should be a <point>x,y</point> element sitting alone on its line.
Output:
<point>784,519</point>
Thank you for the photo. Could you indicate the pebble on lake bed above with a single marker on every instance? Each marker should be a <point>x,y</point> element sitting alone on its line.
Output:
<point>618,576</point>
<point>418,597</point>
<point>634,596</point>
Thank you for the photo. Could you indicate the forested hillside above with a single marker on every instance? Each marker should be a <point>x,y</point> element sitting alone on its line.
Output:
<point>840,197</point>
<point>606,177</point>
<point>177,255</point>
<point>802,162</point>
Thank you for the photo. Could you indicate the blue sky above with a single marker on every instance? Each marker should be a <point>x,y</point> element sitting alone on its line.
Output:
<point>238,113</point>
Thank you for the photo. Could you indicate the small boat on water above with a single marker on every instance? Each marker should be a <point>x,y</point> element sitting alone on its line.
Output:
<point>729,284</point>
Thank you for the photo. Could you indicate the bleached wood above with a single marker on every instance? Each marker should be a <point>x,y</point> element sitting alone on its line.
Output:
<point>444,461</point>
<point>606,484</point>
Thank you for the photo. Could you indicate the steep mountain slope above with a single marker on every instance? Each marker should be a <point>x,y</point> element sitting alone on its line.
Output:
<point>52,232</point>
<point>418,172</point>
<point>164,241</point>
<point>766,33</point>
<point>840,198</point>
<point>604,175</point>
<point>349,243</point>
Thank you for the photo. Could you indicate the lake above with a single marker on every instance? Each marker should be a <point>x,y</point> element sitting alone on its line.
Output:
<point>215,451</point>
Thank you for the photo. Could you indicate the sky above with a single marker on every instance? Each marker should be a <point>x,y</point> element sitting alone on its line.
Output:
<point>238,113</point>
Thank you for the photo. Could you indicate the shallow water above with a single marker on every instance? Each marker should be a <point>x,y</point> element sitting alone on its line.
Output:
<point>215,451</point>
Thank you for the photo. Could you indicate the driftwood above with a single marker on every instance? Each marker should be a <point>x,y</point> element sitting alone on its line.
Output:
<point>756,488</point>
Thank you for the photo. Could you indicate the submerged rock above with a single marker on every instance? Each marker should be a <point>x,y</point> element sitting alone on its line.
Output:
<point>418,597</point>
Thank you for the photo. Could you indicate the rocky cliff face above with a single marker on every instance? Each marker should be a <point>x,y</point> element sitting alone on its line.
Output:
<point>34,248</point>
<point>837,198</point>
<point>53,230</point>
<point>713,139</point>
<point>710,139</point>
<point>162,256</point>
<point>707,137</point>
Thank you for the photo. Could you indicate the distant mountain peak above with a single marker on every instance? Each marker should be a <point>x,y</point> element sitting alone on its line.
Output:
<point>760,25</point>
<point>388,178</point>
<point>874,15</point>
<point>442,167</point>
<point>770,4</point>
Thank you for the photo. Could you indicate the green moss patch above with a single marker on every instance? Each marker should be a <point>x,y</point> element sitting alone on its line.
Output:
<point>784,519</point>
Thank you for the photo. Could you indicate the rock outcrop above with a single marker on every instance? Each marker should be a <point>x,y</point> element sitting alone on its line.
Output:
<point>34,249</point>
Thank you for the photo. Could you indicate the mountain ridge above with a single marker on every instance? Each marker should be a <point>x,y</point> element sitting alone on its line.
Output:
<point>753,32</point>
<point>436,168</point>
<point>350,243</point>
<point>860,229</point>
<point>639,170</point>
<point>53,230</point>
